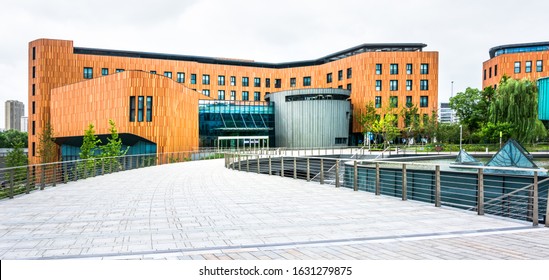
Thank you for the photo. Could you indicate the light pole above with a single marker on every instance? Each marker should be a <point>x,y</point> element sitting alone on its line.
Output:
<point>460,136</point>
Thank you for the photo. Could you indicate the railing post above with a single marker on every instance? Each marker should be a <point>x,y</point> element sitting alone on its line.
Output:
<point>308,170</point>
<point>437,186</point>
<point>43,177</point>
<point>54,174</point>
<point>378,179</point>
<point>11,183</point>
<point>258,166</point>
<point>535,207</point>
<point>295,168</point>
<point>547,210</point>
<point>404,183</point>
<point>281,166</point>
<point>337,174</point>
<point>239,163</point>
<point>355,176</point>
<point>102,167</point>
<point>247,163</point>
<point>270,166</point>
<point>27,185</point>
<point>480,196</point>
<point>321,169</point>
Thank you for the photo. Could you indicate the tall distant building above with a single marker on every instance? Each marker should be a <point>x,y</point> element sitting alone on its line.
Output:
<point>446,114</point>
<point>14,111</point>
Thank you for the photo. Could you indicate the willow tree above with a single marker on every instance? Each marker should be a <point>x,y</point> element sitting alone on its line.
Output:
<point>516,102</point>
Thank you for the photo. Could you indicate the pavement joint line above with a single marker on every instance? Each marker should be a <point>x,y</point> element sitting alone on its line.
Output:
<point>312,243</point>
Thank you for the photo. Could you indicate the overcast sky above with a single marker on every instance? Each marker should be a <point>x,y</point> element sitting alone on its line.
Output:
<point>270,31</point>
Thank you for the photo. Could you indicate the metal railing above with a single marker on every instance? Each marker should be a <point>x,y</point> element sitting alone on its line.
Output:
<point>482,189</point>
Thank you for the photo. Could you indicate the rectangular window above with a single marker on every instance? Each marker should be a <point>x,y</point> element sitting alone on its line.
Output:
<point>221,94</point>
<point>257,96</point>
<point>528,67</point>
<point>409,101</point>
<point>220,80</point>
<point>393,70</point>
<point>490,72</point>
<point>257,82</point>
<point>119,70</point>
<point>193,79</point>
<point>378,69</point>
<point>341,87</point>
<point>34,71</point>
<point>292,82</point>
<point>306,81</point>
<point>378,85</point>
<point>329,78</point>
<point>539,66</point>
<point>378,102</point>
<point>206,92</point>
<point>149,108</point>
<point>268,82</point>
<point>33,149</point>
<point>408,85</point>
<point>496,70</point>
<point>424,69</point>
<point>233,81</point>
<point>245,82</point>
<point>33,89</point>
<point>424,101</point>
<point>409,69</point>
<point>278,83</point>
<point>245,95</point>
<point>233,95</point>
<point>153,72</point>
<point>349,73</point>
<point>168,74</point>
<point>393,101</point>
<point>393,85</point>
<point>104,71</point>
<point>340,75</point>
<point>205,79</point>
<point>33,53</point>
<point>517,67</point>
<point>140,105</point>
<point>340,140</point>
<point>349,86</point>
<point>33,108</point>
<point>484,74</point>
<point>33,129</point>
<point>88,72</point>
<point>180,77</point>
<point>132,108</point>
<point>424,85</point>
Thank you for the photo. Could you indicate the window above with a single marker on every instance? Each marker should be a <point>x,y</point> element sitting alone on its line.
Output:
<point>257,82</point>
<point>378,85</point>
<point>329,78</point>
<point>33,149</point>
<point>233,81</point>
<point>408,85</point>
<point>496,70</point>
<point>378,102</point>
<point>278,83</point>
<point>140,105</point>
<point>424,68</point>
<point>349,86</point>
<point>33,53</point>
<point>168,74</point>
<point>221,94</point>
<point>292,82</point>
<point>193,79</point>
<point>268,82</point>
<point>341,140</point>
<point>220,80</point>
<point>149,108</point>
<point>33,108</point>
<point>517,66</point>
<point>119,70</point>
<point>490,72</point>
<point>409,69</point>
<point>341,87</point>
<point>104,71</point>
<point>132,108</point>
<point>528,67</point>
<point>257,96</point>
<point>393,69</point>
<point>153,72</point>
<point>393,101</point>
<point>378,69</point>
<point>393,85</point>
<point>424,101</point>
<point>206,92</point>
<point>233,95</point>
<point>349,73</point>
<point>34,72</point>
<point>306,81</point>
<point>409,101</point>
<point>424,85</point>
<point>205,79</point>
<point>245,95</point>
<point>33,89</point>
<point>180,77</point>
<point>245,81</point>
<point>33,130</point>
<point>484,75</point>
<point>340,75</point>
<point>88,72</point>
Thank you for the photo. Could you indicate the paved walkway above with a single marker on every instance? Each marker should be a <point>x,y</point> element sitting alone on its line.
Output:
<point>200,210</point>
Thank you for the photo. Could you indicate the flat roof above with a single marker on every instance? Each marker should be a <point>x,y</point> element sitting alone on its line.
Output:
<point>378,47</point>
<point>493,50</point>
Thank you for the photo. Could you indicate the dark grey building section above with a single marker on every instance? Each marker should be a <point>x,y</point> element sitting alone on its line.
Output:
<point>311,117</point>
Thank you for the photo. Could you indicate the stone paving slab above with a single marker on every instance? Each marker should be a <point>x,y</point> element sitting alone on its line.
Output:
<point>200,210</point>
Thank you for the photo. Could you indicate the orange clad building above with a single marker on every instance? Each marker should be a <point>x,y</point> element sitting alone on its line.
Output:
<point>153,98</point>
<point>517,61</point>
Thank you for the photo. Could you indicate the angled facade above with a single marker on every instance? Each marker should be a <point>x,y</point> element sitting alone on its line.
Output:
<point>154,97</point>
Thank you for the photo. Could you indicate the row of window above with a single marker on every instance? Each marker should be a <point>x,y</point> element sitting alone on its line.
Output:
<point>393,85</point>
<point>528,66</point>
<point>393,69</point>
<point>393,101</point>
<point>245,95</point>
<point>143,112</point>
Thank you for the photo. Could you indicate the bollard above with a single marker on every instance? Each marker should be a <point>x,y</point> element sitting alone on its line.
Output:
<point>480,190</point>
<point>404,182</point>
<point>378,180</point>
<point>337,174</point>
<point>535,218</point>
<point>295,168</point>
<point>355,176</point>
<point>321,170</point>
<point>308,170</point>
<point>437,186</point>
<point>281,166</point>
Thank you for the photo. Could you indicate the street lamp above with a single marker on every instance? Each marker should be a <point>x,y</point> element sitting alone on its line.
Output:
<point>460,136</point>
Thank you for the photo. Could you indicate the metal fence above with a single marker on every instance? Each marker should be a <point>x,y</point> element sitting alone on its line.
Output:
<point>474,188</point>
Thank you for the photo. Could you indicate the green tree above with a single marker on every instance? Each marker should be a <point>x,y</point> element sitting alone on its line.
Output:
<point>471,108</point>
<point>113,148</point>
<point>429,126</point>
<point>367,119</point>
<point>410,113</point>
<point>490,132</point>
<point>47,150</point>
<point>386,125</point>
<point>89,143</point>
<point>10,137</point>
<point>448,133</point>
<point>16,157</point>
<point>516,102</point>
